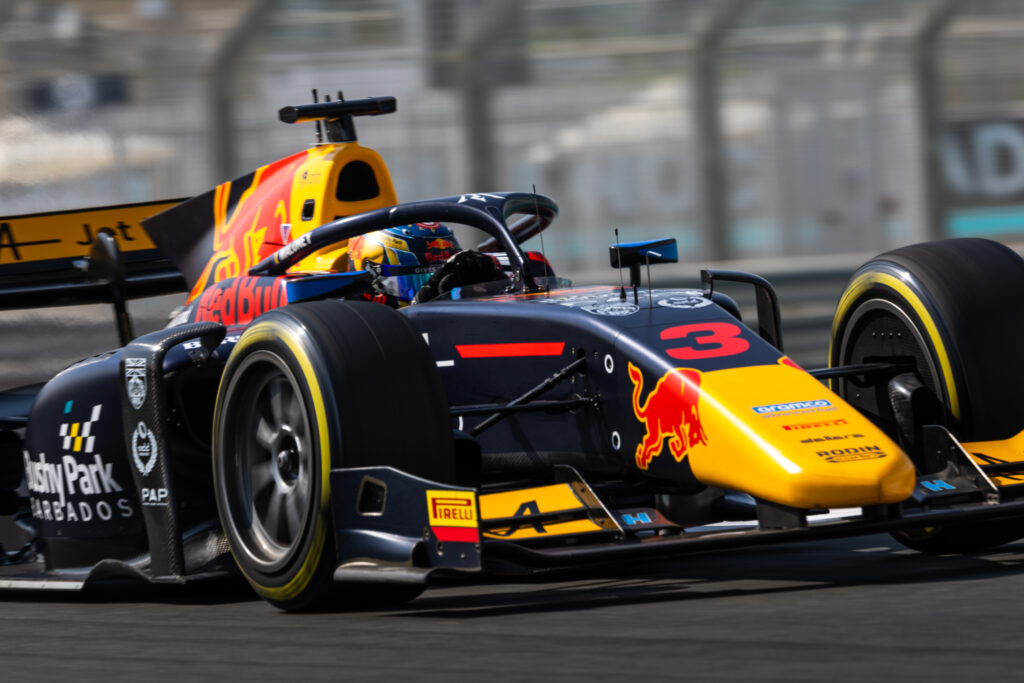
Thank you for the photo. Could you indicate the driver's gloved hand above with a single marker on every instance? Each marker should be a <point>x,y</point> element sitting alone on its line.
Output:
<point>465,268</point>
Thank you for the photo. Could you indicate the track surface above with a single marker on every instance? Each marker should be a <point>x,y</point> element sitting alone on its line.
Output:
<point>850,610</point>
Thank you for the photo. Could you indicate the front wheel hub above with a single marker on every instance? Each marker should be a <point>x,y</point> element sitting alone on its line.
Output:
<point>288,463</point>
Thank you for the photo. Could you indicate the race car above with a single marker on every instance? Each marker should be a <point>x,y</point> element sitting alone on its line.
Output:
<point>350,405</point>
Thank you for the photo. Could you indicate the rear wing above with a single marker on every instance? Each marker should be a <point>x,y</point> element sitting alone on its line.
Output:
<point>81,256</point>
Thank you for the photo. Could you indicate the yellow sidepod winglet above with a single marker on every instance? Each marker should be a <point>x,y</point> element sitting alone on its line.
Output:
<point>810,450</point>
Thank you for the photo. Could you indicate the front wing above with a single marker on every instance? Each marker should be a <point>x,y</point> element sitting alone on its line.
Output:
<point>393,527</point>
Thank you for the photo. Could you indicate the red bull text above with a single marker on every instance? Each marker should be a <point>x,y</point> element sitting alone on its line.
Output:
<point>670,411</point>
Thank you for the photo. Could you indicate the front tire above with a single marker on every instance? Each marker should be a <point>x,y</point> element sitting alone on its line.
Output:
<point>308,388</point>
<point>951,307</point>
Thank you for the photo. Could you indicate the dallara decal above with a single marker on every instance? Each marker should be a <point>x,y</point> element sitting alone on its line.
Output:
<point>831,437</point>
<point>453,515</point>
<point>671,411</point>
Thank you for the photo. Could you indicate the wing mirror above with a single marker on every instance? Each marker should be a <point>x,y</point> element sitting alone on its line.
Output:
<point>634,254</point>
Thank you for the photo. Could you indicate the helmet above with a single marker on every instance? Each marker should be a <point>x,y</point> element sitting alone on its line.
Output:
<point>408,255</point>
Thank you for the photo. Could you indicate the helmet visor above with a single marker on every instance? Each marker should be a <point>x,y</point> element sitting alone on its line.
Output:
<point>404,281</point>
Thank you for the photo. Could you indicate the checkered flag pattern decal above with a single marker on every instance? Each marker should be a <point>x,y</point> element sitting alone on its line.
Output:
<point>77,435</point>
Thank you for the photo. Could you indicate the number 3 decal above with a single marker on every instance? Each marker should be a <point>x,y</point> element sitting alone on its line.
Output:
<point>705,340</point>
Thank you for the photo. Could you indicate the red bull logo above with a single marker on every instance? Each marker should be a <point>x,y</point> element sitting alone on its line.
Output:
<point>440,244</point>
<point>439,249</point>
<point>248,214</point>
<point>670,411</point>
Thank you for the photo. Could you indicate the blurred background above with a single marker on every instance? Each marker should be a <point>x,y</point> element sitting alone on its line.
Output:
<point>791,137</point>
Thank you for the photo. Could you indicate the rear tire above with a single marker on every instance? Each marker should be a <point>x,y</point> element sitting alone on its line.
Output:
<point>953,307</point>
<point>308,388</point>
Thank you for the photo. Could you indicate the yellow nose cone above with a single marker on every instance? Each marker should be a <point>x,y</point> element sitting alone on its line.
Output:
<point>777,433</point>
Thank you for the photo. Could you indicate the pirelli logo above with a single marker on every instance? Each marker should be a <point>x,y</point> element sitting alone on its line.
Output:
<point>453,515</point>
<point>814,425</point>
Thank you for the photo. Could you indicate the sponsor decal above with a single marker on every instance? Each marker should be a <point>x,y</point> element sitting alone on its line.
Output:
<point>613,308</point>
<point>852,454</point>
<point>636,519</point>
<point>670,411</point>
<point>66,489</point>
<point>155,496</point>
<point>795,407</point>
<point>439,249</point>
<point>135,381</point>
<point>247,217</point>
<point>525,510</point>
<point>688,298</point>
<point>480,197</point>
<point>69,234</point>
<point>937,485</point>
<point>390,242</point>
<point>543,511</point>
<point>144,449</point>
<point>452,515</point>
<point>814,425</point>
<point>196,343</point>
<point>9,242</point>
<point>598,303</point>
<point>839,437</point>
<point>605,302</point>
<point>241,300</point>
<point>78,436</point>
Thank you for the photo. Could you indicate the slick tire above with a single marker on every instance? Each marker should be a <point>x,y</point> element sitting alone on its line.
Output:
<point>308,388</point>
<point>953,307</point>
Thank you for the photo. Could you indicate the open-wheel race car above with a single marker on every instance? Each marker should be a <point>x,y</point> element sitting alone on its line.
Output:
<point>350,404</point>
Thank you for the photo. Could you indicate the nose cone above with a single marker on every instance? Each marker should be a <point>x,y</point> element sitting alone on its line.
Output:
<point>888,479</point>
<point>808,450</point>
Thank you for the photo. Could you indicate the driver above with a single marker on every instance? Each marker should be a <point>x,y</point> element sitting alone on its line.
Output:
<point>417,250</point>
<point>419,261</point>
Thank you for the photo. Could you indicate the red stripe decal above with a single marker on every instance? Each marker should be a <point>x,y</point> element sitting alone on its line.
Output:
<point>456,534</point>
<point>507,350</point>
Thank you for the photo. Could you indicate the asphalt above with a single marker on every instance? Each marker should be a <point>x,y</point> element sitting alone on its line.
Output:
<point>846,610</point>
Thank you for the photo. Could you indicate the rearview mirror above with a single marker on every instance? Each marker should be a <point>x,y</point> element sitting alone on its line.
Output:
<point>634,254</point>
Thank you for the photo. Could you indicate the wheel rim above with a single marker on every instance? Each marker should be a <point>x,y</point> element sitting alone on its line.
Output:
<point>269,468</point>
<point>879,315</point>
<point>879,330</point>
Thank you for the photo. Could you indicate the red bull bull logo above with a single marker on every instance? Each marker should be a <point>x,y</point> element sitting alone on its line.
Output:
<point>439,249</point>
<point>670,411</point>
<point>248,214</point>
<point>440,244</point>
